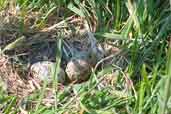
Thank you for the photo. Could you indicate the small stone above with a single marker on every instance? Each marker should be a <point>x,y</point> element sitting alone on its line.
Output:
<point>44,71</point>
<point>78,70</point>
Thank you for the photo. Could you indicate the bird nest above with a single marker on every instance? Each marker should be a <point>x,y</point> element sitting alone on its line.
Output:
<point>27,45</point>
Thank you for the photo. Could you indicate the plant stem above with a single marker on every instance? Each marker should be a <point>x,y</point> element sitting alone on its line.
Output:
<point>168,81</point>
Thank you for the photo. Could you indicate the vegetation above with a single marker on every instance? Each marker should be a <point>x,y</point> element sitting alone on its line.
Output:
<point>140,28</point>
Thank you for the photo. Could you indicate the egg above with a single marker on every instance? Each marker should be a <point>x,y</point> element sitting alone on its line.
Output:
<point>44,71</point>
<point>78,70</point>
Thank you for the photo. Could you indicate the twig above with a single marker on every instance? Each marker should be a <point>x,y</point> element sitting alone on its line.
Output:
<point>58,24</point>
<point>105,59</point>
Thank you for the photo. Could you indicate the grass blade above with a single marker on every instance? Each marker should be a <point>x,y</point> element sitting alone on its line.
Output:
<point>167,91</point>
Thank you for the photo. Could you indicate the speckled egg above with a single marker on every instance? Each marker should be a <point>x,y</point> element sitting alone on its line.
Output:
<point>44,71</point>
<point>78,70</point>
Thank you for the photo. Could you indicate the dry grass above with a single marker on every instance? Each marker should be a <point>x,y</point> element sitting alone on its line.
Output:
<point>130,79</point>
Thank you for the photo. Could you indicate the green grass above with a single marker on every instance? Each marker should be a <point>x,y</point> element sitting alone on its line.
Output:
<point>141,28</point>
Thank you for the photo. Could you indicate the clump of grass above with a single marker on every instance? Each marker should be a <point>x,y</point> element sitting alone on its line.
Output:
<point>138,27</point>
